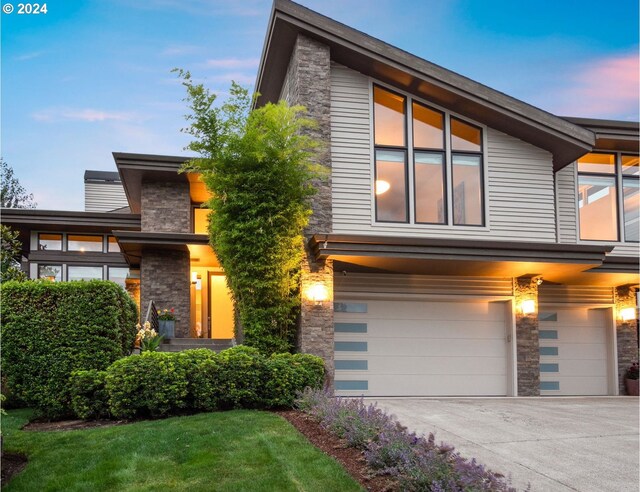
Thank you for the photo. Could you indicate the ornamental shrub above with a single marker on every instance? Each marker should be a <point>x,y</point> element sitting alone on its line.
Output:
<point>51,329</point>
<point>150,384</point>
<point>89,399</point>
<point>287,374</point>
<point>258,165</point>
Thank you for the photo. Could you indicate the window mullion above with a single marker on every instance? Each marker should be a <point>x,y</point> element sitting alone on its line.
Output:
<point>410,161</point>
<point>620,197</point>
<point>448,169</point>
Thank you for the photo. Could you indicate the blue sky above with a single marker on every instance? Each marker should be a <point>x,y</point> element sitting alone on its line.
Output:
<point>92,77</point>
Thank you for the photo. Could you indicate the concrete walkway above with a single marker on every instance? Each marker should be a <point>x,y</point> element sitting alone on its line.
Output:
<point>555,444</point>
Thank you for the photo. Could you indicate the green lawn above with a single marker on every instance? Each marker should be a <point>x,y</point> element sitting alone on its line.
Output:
<point>227,451</point>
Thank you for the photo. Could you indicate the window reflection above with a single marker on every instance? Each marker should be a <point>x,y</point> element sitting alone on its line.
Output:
<point>53,273</point>
<point>118,275</point>
<point>597,163</point>
<point>201,220</point>
<point>465,137</point>
<point>429,184</point>
<point>597,207</point>
<point>113,246</point>
<point>391,187</point>
<point>389,119</point>
<point>84,273</point>
<point>631,188</point>
<point>467,189</point>
<point>49,242</point>
<point>428,128</point>
<point>84,243</point>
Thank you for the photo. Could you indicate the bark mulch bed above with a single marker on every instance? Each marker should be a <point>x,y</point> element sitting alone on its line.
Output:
<point>66,425</point>
<point>12,464</point>
<point>350,458</point>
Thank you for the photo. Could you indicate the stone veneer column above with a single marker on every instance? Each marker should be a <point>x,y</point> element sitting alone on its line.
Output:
<point>626,333</point>
<point>164,274</point>
<point>165,281</point>
<point>527,339</point>
<point>308,82</point>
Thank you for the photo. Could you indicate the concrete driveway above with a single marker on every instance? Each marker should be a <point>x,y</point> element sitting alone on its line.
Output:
<point>559,444</point>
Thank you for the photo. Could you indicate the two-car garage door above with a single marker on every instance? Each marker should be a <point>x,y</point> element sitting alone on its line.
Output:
<point>422,348</point>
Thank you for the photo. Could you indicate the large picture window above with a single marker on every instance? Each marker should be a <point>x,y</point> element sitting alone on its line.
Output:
<point>84,243</point>
<point>84,273</point>
<point>442,158</point>
<point>603,210</point>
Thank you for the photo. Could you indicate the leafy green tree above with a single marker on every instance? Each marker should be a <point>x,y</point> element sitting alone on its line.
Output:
<point>10,253</point>
<point>258,165</point>
<point>12,193</point>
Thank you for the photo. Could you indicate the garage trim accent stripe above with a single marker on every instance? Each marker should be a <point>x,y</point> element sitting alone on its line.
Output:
<point>350,327</point>
<point>351,346</point>
<point>352,385</point>
<point>549,368</point>
<point>349,307</point>
<point>548,350</point>
<point>549,385</point>
<point>351,365</point>
<point>549,334</point>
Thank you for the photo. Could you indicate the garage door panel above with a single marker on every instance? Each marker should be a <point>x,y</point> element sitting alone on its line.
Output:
<point>436,329</point>
<point>578,385</point>
<point>581,351</point>
<point>580,367</point>
<point>436,385</point>
<point>443,347</point>
<point>442,311</point>
<point>422,348</point>
<point>437,365</point>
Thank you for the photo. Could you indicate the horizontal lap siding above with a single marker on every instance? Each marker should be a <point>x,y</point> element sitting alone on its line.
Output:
<point>520,193</point>
<point>567,207</point>
<point>104,197</point>
<point>422,284</point>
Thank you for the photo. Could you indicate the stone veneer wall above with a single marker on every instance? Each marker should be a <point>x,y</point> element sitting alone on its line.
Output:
<point>165,206</point>
<point>164,274</point>
<point>308,82</point>
<point>527,339</point>
<point>626,334</point>
<point>165,281</point>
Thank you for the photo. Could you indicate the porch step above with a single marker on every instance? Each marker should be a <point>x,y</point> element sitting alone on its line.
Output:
<point>180,344</point>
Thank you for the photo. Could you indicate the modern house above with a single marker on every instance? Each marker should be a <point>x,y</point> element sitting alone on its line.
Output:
<point>466,243</point>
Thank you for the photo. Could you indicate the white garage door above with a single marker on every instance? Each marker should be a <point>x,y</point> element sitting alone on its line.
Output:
<point>573,351</point>
<point>419,348</point>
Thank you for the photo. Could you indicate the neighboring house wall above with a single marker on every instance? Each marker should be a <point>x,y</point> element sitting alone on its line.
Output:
<point>104,196</point>
<point>520,194</point>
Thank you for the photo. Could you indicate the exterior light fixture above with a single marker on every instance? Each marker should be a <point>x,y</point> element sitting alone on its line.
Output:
<point>318,293</point>
<point>528,307</point>
<point>382,186</point>
<point>628,314</point>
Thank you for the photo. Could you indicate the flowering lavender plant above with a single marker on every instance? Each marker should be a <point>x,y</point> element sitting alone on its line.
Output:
<point>417,463</point>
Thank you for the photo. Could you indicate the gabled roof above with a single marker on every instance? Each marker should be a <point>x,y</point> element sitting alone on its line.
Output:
<point>565,140</point>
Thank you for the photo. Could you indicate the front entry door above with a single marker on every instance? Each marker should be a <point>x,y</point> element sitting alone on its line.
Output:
<point>221,313</point>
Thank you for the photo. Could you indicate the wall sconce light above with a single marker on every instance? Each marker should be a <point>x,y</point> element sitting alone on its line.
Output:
<point>528,307</point>
<point>318,293</point>
<point>628,314</point>
<point>196,280</point>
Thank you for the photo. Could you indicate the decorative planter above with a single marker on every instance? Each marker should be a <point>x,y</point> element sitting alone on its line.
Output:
<point>167,328</point>
<point>632,386</point>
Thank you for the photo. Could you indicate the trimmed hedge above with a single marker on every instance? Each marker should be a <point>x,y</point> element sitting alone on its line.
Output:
<point>50,330</point>
<point>157,384</point>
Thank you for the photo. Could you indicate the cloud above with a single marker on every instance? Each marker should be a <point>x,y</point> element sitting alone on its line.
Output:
<point>232,63</point>
<point>88,115</point>
<point>603,88</point>
<point>29,56</point>
<point>240,77</point>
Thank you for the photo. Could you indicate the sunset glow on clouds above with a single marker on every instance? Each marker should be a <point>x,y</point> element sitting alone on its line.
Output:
<point>604,88</point>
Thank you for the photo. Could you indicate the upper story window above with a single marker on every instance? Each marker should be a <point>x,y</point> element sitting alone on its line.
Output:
<point>84,243</point>
<point>422,157</point>
<point>49,242</point>
<point>112,245</point>
<point>605,213</point>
